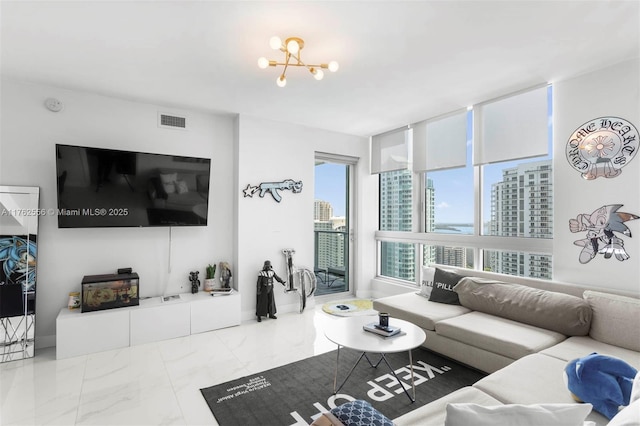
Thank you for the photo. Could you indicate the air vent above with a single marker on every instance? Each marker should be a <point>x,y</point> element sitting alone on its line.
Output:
<point>169,121</point>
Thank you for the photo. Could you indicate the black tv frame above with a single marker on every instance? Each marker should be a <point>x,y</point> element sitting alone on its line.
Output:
<point>138,197</point>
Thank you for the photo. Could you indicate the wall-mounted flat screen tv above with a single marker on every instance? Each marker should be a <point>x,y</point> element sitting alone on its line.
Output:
<point>110,188</point>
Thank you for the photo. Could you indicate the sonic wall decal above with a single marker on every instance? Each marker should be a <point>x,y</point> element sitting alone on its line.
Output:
<point>602,147</point>
<point>273,188</point>
<point>600,227</point>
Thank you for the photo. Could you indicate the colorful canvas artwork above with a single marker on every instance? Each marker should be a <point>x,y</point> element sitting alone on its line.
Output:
<point>18,255</point>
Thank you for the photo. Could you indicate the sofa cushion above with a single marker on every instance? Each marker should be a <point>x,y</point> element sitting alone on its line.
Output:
<point>615,319</point>
<point>499,335</point>
<point>579,346</point>
<point>472,356</point>
<point>464,414</point>
<point>559,312</point>
<point>418,310</point>
<point>443,284</point>
<point>187,200</point>
<point>534,379</point>
<point>433,413</point>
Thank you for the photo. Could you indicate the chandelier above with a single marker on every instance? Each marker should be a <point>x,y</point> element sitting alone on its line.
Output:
<point>291,49</point>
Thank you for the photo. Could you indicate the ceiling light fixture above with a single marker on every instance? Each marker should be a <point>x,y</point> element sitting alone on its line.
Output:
<point>292,48</point>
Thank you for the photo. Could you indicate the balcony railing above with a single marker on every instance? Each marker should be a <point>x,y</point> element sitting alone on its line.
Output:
<point>331,261</point>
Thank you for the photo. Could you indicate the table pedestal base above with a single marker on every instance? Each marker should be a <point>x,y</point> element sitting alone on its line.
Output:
<point>382,358</point>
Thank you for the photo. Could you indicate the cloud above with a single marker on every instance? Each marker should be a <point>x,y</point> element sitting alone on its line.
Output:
<point>443,205</point>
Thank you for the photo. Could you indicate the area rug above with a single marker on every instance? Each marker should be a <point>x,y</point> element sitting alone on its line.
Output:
<point>297,393</point>
<point>347,308</point>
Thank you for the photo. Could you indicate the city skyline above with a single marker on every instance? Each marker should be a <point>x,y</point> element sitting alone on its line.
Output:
<point>520,204</point>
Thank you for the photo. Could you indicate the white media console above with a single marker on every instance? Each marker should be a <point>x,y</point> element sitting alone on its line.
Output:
<point>153,320</point>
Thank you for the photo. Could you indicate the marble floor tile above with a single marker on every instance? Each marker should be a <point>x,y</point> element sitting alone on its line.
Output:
<point>157,383</point>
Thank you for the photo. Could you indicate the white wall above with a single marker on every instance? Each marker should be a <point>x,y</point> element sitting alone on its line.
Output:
<point>244,231</point>
<point>269,151</point>
<point>27,158</point>
<point>613,91</point>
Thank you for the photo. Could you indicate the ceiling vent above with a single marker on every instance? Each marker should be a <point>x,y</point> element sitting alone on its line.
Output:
<point>171,121</point>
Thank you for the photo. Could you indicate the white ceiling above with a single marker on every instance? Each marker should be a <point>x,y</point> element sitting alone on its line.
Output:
<point>399,61</point>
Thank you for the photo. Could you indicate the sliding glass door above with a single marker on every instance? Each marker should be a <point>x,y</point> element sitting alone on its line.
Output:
<point>332,225</point>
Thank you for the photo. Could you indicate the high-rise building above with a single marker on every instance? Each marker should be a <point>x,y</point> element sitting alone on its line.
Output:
<point>397,259</point>
<point>429,252</point>
<point>330,237</point>
<point>322,210</point>
<point>522,206</point>
<point>453,256</point>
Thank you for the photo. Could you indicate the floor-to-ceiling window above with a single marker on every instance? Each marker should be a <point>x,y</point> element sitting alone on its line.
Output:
<point>485,196</point>
<point>332,224</point>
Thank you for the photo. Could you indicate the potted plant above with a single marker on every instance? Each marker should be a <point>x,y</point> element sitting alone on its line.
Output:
<point>209,281</point>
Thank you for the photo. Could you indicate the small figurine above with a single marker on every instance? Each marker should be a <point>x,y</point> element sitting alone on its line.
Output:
<point>225,274</point>
<point>265,302</point>
<point>195,282</point>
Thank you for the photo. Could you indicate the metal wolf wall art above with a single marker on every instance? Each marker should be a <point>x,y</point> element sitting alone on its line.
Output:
<point>273,188</point>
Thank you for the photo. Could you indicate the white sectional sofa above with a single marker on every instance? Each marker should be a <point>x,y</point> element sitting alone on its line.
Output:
<point>523,332</point>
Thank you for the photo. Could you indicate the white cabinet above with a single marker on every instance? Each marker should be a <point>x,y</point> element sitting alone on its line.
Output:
<point>159,321</point>
<point>216,312</point>
<point>153,320</point>
<point>81,334</point>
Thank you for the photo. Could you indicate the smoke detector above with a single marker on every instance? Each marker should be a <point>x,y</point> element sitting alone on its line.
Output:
<point>53,104</point>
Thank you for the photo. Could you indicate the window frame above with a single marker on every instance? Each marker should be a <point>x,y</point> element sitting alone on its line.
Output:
<point>419,236</point>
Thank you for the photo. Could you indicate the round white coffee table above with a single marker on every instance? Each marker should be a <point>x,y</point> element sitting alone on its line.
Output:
<point>348,333</point>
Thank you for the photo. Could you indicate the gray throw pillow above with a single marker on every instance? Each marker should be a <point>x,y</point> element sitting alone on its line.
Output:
<point>443,283</point>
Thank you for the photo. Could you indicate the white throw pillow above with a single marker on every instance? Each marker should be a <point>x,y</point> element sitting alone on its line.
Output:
<point>517,414</point>
<point>635,389</point>
<point>628,416</point>
<point>181,187</point>
<point>426,284</point>
<point>168,181</point>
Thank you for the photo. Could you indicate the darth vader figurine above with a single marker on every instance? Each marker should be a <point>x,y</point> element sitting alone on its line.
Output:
<point>265,303</point>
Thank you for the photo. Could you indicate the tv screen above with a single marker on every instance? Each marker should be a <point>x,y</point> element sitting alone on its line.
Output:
<point>110,188</point>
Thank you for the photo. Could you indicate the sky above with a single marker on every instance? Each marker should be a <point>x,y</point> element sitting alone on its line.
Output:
<point>330,185</point>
